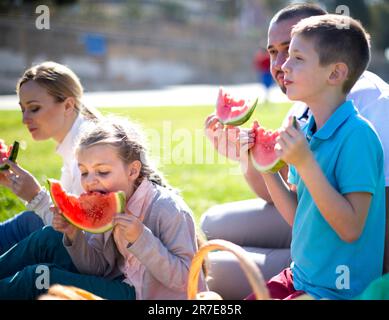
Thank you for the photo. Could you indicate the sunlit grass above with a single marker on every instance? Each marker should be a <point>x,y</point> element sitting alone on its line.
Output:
<point>177,144</point>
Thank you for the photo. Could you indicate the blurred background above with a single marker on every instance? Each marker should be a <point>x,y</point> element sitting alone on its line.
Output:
<point>147,44</point>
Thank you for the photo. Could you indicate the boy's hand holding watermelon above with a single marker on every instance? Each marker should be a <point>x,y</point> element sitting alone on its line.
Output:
<point>292,145</point>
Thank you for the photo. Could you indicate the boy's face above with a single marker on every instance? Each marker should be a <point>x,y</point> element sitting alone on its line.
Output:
<point>103,170</point>
<point>304,78</point>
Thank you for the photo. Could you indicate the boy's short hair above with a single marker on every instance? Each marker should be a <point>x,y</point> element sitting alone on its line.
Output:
<point>338,38</point>
<point>300,10</point>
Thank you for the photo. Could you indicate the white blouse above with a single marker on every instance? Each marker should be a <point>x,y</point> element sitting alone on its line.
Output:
<point>70,174</point>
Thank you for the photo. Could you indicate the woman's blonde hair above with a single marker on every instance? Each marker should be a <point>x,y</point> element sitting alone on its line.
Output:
<point>61,83</point>
<point>129,141</point>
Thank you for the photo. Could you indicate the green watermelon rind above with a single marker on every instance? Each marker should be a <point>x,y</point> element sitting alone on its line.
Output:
<point>120,201</point>
<point>237,121</point>
<point>12,157</point>
<point>273,167</point>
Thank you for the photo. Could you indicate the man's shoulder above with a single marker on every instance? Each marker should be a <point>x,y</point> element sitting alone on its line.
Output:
<point>368,89</point>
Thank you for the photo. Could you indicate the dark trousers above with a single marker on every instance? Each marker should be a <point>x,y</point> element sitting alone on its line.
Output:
<point>17,228</point>
<point>41,260</point>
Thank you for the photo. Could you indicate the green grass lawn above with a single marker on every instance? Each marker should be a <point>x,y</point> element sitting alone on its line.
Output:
<point>177,144</point>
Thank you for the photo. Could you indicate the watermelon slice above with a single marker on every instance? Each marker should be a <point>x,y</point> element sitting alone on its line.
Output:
<point>10,152</point>
<point>231,111</point>
<point>92,211</point>
<point>262,154</point>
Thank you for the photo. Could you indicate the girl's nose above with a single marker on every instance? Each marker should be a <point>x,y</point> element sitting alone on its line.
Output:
<point>90,182</point>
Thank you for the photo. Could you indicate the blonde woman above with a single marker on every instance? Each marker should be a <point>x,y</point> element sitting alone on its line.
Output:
<point>50,100</point>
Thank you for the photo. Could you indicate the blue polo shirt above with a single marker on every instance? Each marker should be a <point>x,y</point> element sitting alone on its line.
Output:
<point>350,155</point>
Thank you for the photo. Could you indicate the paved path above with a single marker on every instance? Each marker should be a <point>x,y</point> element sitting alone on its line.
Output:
<point>187,95</point>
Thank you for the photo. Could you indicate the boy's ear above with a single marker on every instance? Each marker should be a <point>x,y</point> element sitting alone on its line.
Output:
<point>339,73</point>
<point>134,170</point>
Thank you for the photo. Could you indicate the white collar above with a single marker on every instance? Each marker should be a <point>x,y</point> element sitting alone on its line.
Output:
<point>65,148</point>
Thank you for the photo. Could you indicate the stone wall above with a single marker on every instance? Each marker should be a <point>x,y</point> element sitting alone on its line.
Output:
<point>136,55</point>
<point>133,56</point>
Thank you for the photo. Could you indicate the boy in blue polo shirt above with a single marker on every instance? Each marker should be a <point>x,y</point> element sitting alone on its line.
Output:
<point>336,202</point>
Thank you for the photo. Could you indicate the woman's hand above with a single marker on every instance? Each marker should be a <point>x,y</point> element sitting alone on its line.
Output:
<point>62,225</point>
<point>127,226</point>
<point>20,181</point>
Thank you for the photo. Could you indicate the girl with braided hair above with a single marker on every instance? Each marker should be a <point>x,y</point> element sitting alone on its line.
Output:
<point>148,252</point>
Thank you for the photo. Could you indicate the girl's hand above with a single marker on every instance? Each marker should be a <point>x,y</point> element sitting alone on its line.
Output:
<point>127,226</point>
<point>20,181</point>
<point>292,146</point>
<point>62,225</point>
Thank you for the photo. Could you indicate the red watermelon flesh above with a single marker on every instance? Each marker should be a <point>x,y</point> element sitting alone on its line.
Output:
<point>5,151</point>
<point>262,154</point>
<point>232,111</point>
<point>92,211</point>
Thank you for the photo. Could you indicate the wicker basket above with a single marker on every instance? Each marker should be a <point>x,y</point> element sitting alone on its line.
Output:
<point>251,270</point>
